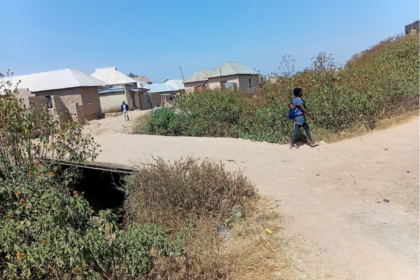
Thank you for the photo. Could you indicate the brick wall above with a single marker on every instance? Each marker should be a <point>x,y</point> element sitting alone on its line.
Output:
<point>92,110</point>
<point>76,101</point>
<point>156,99</point>
<point>59,108</point>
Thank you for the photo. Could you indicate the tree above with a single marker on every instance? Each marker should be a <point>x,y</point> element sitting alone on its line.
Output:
<point>131,75</point>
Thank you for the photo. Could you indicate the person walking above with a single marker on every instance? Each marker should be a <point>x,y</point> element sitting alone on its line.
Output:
<point>300,120</point>
<point>124,110</point>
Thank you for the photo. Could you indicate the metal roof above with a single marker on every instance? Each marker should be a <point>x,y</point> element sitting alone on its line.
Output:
<point>142,78</point>
<point>110,90</point>
<point>59,79</point>
<point>169,85</point>
<point>112,76</point>
<point>226,69</point>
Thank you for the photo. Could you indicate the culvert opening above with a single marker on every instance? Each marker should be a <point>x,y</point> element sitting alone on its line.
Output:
<point>100,183</point>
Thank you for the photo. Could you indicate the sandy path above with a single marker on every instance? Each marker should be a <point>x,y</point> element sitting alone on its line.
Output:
<point>328,194</point>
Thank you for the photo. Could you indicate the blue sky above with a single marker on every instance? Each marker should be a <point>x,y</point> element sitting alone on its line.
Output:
<point>152,38</point>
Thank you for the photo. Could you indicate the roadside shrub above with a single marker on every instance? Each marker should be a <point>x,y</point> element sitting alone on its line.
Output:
<point>175,195</point>
<point>190,199</point>
<point>46,229</point>
<point>378,83</point>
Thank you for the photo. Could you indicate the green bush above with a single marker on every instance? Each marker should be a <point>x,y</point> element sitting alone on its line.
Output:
<point>46,228</point>
<point>378,83</point>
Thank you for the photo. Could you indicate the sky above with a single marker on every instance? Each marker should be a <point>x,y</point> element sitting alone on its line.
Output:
<point>154,38</point>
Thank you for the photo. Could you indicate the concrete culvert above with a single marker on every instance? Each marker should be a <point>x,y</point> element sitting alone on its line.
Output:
<point>100,184</point>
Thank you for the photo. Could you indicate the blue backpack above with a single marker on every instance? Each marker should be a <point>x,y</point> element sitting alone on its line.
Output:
<point>293,113</point>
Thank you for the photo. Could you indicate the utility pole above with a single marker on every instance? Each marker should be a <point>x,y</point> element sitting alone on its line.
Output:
<point>181,73</point>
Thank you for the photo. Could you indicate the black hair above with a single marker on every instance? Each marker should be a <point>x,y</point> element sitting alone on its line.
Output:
<point>296,91</point>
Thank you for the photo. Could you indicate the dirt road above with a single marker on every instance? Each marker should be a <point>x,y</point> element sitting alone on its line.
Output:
<point>329,195</point>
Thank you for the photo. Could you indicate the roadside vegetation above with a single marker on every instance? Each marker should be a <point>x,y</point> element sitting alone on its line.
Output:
<point>188,219</point>
<point>46,227</point>
<point>217,218</point>
<point>377,84</point>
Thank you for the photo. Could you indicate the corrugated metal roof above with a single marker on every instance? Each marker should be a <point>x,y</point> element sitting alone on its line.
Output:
<point>226,69</point>
<point>112,76</point>
<point>169,85</point>
<point>142,78</point>
<point>59,79</point>
<point>110,90</point>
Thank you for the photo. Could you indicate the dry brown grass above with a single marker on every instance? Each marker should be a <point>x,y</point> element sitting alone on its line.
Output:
<point>195,197</point>
<point>171,194</point>
<point>138,126</point>
<point>250,253</point>
<point>360,129</point>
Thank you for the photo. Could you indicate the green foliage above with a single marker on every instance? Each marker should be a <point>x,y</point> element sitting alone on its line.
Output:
<point>378,83</point>
<point>131,75</point>
<point>46,227</point>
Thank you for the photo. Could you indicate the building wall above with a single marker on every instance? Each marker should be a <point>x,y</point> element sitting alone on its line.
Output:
<point>214,83</point>
<point>241,81</point>
<point>92,110</point>
<point>412,28</point>
<point>76,100</point>
<point>189,87</point>
<point>111,101</point>
<point>156,99</point>
<point>73,101</point>
<point>244,83</point>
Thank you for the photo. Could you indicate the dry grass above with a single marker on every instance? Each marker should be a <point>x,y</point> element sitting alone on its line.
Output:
<point>173,194</point>
<point>360,129</point>
<point>195,198</point>
<point>250,253</point>
<point>139,124</point>
<point>255,253</point>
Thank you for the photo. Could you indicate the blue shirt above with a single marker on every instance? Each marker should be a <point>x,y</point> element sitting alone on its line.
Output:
<point>124,106</point>
<point>297,101</point>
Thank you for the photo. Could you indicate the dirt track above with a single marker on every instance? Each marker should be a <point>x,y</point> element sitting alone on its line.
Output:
<point>328,194</point>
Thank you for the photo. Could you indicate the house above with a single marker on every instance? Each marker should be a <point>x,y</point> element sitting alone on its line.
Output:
<point>67,92</point>
<point>142,79</point>
<point>412,28</point>
<point>165,91</point>
<point>230,75</point>
<point>119,88</point>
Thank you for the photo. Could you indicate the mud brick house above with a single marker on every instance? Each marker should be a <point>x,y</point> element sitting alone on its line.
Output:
<point>67,92</point>
<point>230,75</point>
<point>119,87</point>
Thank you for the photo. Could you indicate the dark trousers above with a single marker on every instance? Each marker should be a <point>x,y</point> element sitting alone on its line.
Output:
<point>296,132</point>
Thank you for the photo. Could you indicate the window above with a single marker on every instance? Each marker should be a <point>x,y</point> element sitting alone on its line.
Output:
<point>49,102</point>
<point>250,84</point>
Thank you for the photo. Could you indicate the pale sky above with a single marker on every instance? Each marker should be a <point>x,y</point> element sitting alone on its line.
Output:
<point>152,38</point>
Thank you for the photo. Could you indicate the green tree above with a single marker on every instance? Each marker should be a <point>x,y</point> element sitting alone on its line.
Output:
<point>131,75</point>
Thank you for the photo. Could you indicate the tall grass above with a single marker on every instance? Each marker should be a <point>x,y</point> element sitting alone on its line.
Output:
<point>378,83</point>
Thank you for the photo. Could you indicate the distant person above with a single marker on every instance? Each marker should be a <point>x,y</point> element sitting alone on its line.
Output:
<point>124,110</point>
<point>300,120</point>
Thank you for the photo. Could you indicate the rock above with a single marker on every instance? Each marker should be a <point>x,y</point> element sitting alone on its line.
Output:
<point>223,231</point>
<point>237,211</point>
